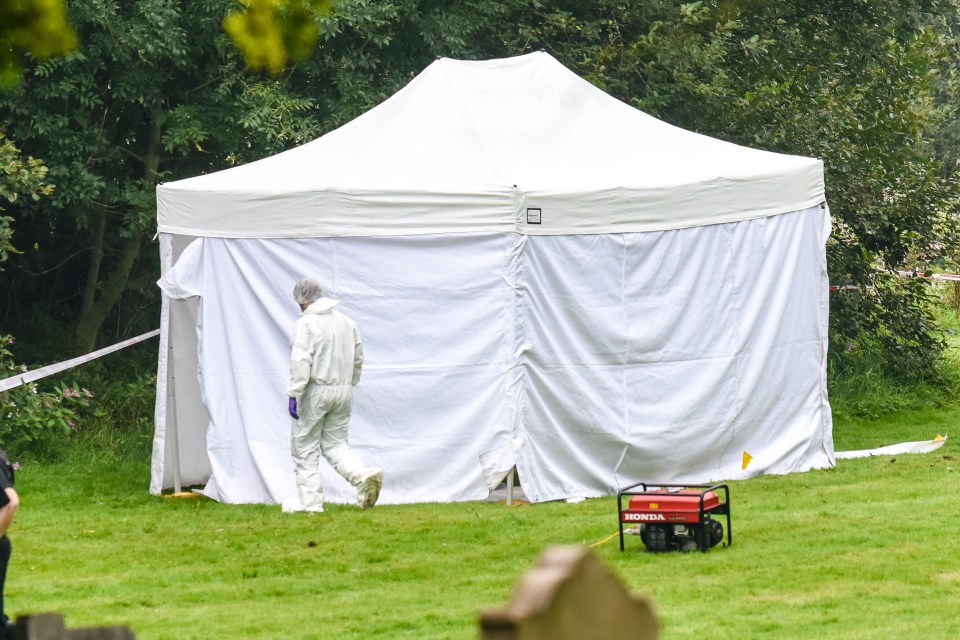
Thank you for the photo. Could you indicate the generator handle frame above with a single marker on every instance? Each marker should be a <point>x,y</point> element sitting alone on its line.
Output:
<point>721,509</point>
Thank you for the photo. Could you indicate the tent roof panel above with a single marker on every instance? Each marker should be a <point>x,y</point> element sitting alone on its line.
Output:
<point>470,146</point>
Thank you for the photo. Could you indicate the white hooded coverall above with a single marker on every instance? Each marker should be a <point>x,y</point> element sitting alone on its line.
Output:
<point>326,357</point>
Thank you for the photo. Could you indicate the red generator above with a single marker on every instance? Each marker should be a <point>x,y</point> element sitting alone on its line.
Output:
<point>674,517</point>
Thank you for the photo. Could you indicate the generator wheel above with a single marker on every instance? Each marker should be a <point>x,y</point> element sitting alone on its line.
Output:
<point>709,534</point>
<point>657,537</point>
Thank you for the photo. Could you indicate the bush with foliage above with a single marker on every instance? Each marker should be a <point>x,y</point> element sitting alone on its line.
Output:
<point>38,421</point>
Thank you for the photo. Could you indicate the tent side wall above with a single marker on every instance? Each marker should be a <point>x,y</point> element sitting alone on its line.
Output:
<point>602,359</point>
<point>434,317</point>
<point>664,356</point>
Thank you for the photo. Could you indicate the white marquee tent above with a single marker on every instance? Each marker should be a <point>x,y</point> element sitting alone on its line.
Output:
<point>542,275</point>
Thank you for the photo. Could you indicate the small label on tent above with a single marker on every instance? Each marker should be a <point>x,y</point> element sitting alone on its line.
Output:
<point>533,216</point>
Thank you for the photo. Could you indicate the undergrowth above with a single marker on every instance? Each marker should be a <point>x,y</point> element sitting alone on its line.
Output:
<point>859,387</point>
<point>101,408</point>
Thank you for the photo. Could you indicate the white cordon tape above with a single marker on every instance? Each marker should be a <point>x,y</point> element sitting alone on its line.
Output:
<point>906,274</point>
<point>932,276</point>
<point>846,287</point>
<point>29,376</point>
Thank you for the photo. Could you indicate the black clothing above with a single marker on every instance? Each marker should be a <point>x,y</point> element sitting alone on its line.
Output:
<point>6,477</point>
<point>6,480</point>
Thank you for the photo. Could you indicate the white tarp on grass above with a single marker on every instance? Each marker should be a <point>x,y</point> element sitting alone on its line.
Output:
<point>922,446</point>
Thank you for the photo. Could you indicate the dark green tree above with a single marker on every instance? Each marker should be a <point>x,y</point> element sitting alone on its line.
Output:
<point>853,83</point>
<point>154,91</point>
<point>157,91</point>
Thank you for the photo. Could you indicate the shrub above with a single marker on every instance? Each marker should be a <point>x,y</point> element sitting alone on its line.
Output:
<point>36,421</point>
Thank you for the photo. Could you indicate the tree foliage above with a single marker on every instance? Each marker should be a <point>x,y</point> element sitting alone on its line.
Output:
<point>36,27</point>
<point>854,83</point>
<point>156,91</point>
<point>28,416</point>
<point>19,178</point>
<point>271,32</point>
<point>38,419</point>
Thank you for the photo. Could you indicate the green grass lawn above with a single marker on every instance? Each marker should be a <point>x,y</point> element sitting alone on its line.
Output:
<point>869,549</point>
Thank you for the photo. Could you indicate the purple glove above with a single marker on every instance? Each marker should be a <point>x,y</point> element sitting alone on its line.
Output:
<point>292,408</point>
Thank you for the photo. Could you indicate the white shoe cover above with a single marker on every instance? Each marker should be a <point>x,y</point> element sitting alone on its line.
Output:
<point>292,505</point>
<point>369,489</point>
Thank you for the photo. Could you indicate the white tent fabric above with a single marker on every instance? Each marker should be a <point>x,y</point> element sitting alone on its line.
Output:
<point>470,146</point>
<point>536,269</point>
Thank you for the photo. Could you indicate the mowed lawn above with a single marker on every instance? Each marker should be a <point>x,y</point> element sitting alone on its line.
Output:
<point>869,549</point>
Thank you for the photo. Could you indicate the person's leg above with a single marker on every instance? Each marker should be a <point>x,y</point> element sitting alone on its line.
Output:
<point>5,550</point>
<point>334,438</point>
<point>305,451</point>
<point>336,449</point>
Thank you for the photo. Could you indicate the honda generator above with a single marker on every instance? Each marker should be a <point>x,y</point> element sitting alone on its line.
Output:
<point>672,517</point>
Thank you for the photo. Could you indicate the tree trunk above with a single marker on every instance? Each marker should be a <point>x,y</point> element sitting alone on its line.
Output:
<point>88,326</point>
<point>95,309</point>
<point>96,259</point>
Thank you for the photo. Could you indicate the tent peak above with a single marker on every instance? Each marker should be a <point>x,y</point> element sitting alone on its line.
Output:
<point>444,152</point>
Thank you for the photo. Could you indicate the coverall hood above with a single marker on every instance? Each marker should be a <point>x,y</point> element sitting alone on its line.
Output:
<point>323,305</point>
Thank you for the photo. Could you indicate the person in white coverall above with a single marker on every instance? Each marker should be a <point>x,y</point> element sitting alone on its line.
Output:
<point>326,357</point>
